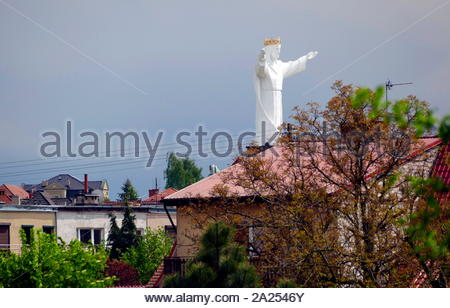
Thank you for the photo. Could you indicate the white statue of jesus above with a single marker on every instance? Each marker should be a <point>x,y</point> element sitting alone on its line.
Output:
<point>270,72</point>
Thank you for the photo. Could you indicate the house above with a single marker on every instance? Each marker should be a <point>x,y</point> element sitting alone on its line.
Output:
<point>12,193</point>
<point>63,189</point>
<point>92,222</point>
<point>14,218</point>
<point>203,193</point>
<point>86,222</point>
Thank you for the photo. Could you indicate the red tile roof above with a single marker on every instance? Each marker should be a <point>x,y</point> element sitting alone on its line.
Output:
<point>204,188</point>
<point>441,169</point>
<point>17,191</point>
<point>158,197</point>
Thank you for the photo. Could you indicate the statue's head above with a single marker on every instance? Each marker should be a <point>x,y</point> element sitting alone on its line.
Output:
<point>272,47</point>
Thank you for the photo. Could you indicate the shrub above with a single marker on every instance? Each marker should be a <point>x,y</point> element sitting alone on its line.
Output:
<point>126,274</point>
<point>148,253</point>
<point>47,262</point>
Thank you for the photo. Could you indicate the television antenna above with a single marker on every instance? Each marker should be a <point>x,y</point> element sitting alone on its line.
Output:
<point>389,85</point>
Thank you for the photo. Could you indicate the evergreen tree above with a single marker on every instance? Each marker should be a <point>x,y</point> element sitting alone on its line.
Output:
<point>122,239</point>
<point>128,193</point>
<point>114,233</point>
<point>218,264</point>
<point>181,172</point>
<point>128,229</point>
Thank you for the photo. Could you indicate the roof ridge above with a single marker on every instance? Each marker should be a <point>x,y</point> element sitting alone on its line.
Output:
<point>198,182</point>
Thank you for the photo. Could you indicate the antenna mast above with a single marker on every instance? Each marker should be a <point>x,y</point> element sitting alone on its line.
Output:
<point>388,86</point>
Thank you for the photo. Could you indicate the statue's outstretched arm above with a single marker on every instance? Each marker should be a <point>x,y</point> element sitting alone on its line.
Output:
<point>293,67</point>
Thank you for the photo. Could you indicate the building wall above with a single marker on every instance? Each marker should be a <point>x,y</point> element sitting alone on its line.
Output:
<point>189,232</point>
<point>55,191</point>
<point>159,220</point>
<point>68,222</point>
<point>19,218</point>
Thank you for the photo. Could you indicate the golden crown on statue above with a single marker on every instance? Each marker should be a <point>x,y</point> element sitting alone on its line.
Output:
<point>272,41</point>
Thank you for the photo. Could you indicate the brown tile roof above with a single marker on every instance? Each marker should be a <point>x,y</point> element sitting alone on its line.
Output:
<point>204,187</point>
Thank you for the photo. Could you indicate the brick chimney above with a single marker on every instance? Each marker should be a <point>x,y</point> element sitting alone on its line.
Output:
<point>153,192</point>
<point>86,187</point>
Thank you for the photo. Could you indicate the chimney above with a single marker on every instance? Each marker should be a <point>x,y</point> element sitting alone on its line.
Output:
<point>15,200</point>
<point>86,190</point>
<point>153,192</point>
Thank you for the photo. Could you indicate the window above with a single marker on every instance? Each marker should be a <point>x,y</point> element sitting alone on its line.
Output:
<point>4,236</point>
<point>97,236</point>
<point>27,229</point>
<point>249,237</point>
<point>255,243</point>
<point>48,229</point>
<point>2,192</point>
<point>94,236</point>
<point>140,231</point>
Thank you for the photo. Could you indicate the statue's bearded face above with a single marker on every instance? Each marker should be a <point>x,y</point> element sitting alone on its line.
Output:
<point>273,52</point>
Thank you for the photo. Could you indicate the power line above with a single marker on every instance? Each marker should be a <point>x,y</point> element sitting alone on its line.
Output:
<point>57,160</point>
<point>94,165</point>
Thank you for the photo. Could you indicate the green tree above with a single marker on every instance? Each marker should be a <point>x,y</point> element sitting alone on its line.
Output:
<point>47,262</point>
<point>218,264</point>
<point>113,236</point>
<point>427,228</point>
<point>122,239</point>
<point>128,193</point>
<point>181,172</point>
<point>148,253</point>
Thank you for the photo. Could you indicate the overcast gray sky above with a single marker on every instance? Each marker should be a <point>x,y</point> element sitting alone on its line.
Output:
<point>172,65</point>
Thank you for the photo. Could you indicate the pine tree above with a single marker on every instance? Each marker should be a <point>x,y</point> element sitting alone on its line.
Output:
<point>128,229</point>
<point>125,237</point>
<point>114,233</point>
<point>218,264</point>
<point>128,193</point>
<point>181,172</point>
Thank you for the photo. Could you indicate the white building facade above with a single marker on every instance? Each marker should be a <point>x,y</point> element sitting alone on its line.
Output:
<point>92,223</point>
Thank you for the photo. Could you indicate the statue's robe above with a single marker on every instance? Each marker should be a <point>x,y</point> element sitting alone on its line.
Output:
<point>268,86</point>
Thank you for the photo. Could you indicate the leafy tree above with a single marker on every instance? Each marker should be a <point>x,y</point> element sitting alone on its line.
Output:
<point>427,228</point>
<point>181,172</point>
<point>47,262</point>
<point>327,209</point>
<point>124,238</point>
<point>218,264</point>
<point>128,193</point>
<point>148,253</point>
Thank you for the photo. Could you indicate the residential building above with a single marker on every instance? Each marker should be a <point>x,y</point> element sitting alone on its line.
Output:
<point>87,223</point>
<point>201,193</point>
<point>63,189</point>
<point>14,218</point>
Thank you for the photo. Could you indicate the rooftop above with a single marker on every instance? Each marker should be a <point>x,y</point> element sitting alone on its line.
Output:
<point>204,188</point>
